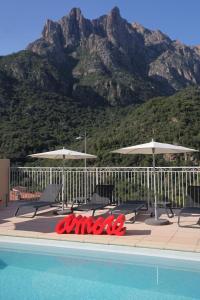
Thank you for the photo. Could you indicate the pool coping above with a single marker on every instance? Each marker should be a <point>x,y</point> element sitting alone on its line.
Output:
<point>118,249</point>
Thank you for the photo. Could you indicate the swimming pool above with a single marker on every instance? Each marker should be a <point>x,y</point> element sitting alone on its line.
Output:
<point>75,271</point>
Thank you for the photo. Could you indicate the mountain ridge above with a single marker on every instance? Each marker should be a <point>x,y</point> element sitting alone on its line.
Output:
<point>100,76</point>
<point>107,59</point>
<point>116,46</point>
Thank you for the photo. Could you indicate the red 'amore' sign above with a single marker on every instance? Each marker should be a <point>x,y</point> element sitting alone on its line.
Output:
<point>89,225</point>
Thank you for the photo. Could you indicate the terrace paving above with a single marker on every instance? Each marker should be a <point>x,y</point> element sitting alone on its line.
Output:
<point>170,237</point>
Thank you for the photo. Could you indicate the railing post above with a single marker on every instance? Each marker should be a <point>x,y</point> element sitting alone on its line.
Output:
<point>97,176</point>
<point>148,185</point>
<point>9,185</point>
<point>51,176</point>
<point>85,183</point>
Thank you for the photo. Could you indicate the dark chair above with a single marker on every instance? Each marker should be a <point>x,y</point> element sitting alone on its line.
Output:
<point>101,198</point>
<point>129,207</point>
<point>192,203</point>
<point>47,198</point>
<point>167,205</point>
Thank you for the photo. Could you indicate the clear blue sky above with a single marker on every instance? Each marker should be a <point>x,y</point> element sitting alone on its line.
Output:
<point>21,21</point>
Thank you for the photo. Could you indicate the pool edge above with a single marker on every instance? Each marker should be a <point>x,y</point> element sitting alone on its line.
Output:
<point>152,252</point>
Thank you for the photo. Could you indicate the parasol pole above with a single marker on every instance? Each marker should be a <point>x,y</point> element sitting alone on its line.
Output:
<point>63,182</point>
<point>85,144</point>
<point>154,184</point>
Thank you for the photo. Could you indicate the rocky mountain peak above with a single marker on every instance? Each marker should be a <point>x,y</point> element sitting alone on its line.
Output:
<point>75,27</point>
<point>114,18</point>
<point>110,45</point>
<point>52,32</point>
<point>75,13</point>
<point>115,13</point>
<point>150,36</point>
<point>197,49</point>
<point>139,28</point>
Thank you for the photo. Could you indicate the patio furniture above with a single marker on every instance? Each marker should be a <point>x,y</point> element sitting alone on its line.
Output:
<point>193,203</point>
<point>47,198</point>
<point>167,205</point>
<point>63,154</point>
<point>154,148</point>
<point>18,190</point>
<point>101,198</point>
<point>131,206</point>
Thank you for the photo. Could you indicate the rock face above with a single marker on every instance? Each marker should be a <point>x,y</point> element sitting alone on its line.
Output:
<point>111,59</point>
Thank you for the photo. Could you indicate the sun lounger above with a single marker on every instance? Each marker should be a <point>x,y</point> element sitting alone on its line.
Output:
<point>167,205</point>
<point>47,198</point>
<point>131,206</point>
<point>193,203</point>
<point>101,198</point>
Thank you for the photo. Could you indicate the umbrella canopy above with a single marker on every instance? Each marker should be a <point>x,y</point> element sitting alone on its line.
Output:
<point>154,147</point>
<point>63,154</point>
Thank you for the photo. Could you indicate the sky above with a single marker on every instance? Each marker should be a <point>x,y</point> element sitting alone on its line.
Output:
<point>22,21</point>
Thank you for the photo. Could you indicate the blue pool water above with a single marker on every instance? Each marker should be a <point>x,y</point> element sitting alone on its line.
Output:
<point>79,274</point>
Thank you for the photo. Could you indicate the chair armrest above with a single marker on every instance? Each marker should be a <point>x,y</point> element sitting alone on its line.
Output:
<point>79,202</point>
<point>72,205</point>
<point>29,200</point>
<point>83,202</point>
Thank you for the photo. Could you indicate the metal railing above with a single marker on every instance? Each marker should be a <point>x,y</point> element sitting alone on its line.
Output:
<point>129,183</point>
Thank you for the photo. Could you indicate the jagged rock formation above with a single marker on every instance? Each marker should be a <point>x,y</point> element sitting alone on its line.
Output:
<point>70,78</point>
<point>107,59</point>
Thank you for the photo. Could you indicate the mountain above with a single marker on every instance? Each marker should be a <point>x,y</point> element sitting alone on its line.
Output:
<point>106,59</point>
<point>100,76</point>
<point>122,62</point>
<point>174,119</point>
<point>36,121</point>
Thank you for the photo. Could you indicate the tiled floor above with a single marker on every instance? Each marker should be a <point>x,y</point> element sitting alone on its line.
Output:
<point>139,234</point>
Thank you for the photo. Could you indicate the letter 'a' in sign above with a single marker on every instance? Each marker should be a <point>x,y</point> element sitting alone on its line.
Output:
<point>89,225</point>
